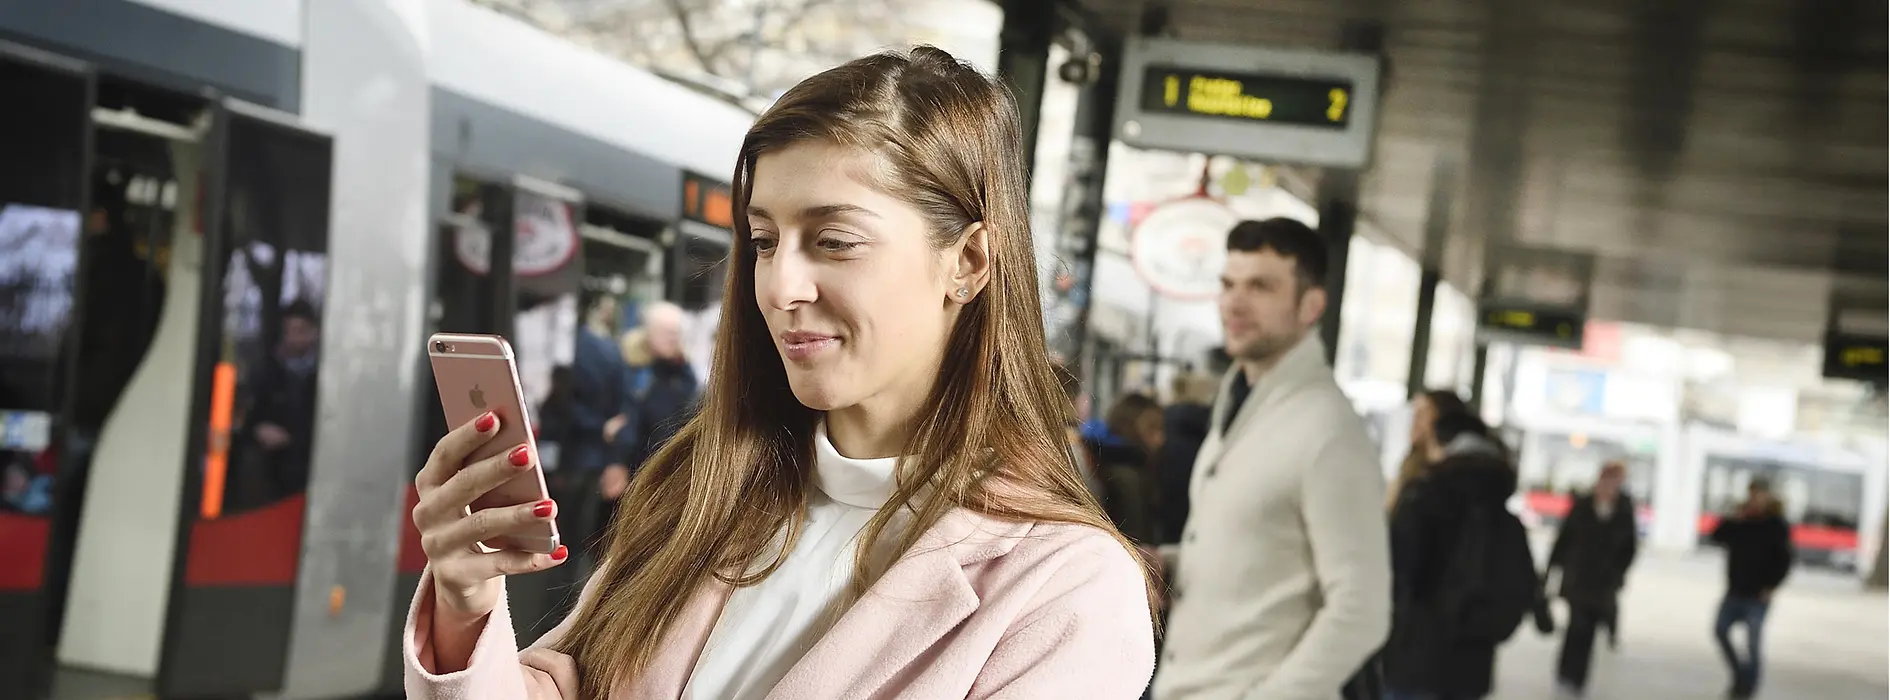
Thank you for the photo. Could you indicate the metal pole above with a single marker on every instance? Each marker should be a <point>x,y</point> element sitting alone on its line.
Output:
<point>1089,166</point>
<point>1338,214</point>
<point>1479,367</point>
<point>1414,383</point>
<point>1338,205</point>
<point>1024,61</point>
<point>1436,231</point>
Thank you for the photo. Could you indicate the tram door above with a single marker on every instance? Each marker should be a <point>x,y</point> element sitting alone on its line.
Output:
<point>252,405</point>
<point>43,177</point>
<point>531,298</point>
<point>162,261</point>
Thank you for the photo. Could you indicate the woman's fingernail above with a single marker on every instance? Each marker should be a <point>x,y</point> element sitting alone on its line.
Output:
<point>560,553</point>
<point>521,456</point>
<point>544,508</point>
<point>485,423</point>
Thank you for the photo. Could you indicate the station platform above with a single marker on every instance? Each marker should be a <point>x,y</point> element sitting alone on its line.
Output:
<point>1826,639</point>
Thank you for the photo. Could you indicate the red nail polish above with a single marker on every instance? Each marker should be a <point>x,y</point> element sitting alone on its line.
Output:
<point>521,457</point>
<point>485,422</point>
<point>560,553</point>
<point>543,509</point>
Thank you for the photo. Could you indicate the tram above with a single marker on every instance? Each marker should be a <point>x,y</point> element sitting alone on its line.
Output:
<point>1829,492</point>
<point>225,230</point>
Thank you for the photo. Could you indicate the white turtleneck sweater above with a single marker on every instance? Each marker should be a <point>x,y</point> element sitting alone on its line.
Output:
<point>766,628</point>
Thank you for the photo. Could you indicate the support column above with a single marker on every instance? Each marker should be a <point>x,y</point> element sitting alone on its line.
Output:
<point>1421,333</point>
<point>1431,258</point>
<point>1338,215</point>
<point>1479,367</point>
<point>1089,166</point>
<point>1024,61</point>
<point>1338,203</point>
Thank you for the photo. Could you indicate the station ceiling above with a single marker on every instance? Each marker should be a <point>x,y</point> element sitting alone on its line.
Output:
<point>1719,164</point>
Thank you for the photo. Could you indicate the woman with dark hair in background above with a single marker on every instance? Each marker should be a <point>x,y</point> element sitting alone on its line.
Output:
<point>1426,408</point>
<point>1463,577</point>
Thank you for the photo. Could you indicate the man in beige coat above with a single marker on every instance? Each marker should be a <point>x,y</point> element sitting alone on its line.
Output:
<point>1281,585</point>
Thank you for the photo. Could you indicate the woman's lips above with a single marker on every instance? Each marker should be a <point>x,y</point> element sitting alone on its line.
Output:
<point>800,346</point>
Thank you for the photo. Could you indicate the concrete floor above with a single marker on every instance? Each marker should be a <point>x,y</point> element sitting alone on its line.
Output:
<point>1826,639</point>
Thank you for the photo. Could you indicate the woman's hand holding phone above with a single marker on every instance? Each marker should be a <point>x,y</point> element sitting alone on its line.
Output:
<point>468,578</point>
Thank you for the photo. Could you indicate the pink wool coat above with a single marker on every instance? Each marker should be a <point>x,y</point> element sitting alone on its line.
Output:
<point>980,608</point>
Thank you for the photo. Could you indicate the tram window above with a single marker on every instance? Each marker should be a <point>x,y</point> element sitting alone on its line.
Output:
<point>41,191</point>
<point>1570,463</point>
<point>43,149</point>
<point>1810,495</point>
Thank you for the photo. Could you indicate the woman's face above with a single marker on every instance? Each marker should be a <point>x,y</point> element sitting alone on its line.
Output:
<point>1148,426</point>
<point>855,295</point>
<point>1423,416</point>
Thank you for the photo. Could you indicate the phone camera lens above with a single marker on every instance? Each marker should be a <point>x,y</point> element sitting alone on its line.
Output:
<point>439,346</point>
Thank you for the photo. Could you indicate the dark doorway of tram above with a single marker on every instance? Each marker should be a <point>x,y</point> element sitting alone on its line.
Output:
<point>87,212</point>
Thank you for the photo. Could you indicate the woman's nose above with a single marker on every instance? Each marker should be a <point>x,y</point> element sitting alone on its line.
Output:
<point>788,281</point>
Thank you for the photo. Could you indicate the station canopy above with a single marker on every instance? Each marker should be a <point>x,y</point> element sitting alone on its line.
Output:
<point>1710,165</point>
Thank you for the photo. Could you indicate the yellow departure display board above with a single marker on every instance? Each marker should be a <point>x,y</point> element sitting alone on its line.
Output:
<point>1863,358</point>
<point>1247,97</point>
<point>1270,104</point>
<point>1531,324</point>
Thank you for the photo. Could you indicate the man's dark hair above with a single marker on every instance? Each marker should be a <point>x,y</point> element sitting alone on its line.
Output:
<point>1287,238</point>
<point>303,310</point>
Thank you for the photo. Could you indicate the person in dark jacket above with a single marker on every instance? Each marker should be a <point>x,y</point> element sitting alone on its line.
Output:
<point>279,428</point>
<point>1425,657</point>
<point>1758,545</point>
<point>1185,426</point>
<point>1125,465</point>
<point>1593,549</point>
<point>664,401</point>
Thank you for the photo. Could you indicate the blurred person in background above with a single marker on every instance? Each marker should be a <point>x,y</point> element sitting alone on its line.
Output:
<point>1463,576</point>
<point>1425,409</point>
<point>1759,554</point>
<point>1594,547</point>
<point>665,398</point>
<point>1125,465</point>
<point>599,398</point>
<point>1281,585</point>
<point>1185,425</point>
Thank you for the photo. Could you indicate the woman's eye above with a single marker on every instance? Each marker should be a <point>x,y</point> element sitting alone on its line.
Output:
<point>761,245</point>
<point>835,245</point>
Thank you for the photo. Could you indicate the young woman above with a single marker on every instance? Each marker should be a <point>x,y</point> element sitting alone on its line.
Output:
<point>1426,408</point>
<point>875,499</point>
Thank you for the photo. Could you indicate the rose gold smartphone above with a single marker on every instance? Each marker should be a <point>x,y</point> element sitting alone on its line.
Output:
<point>475,374</point>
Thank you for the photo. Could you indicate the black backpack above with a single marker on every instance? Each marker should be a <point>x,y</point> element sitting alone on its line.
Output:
<point>1489,584</point>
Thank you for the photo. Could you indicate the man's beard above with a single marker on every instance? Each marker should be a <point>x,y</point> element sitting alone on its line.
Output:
<point>1268,349</point>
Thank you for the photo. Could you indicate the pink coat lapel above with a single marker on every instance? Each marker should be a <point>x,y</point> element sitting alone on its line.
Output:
<point>676,659</point>
<point>880,643</point>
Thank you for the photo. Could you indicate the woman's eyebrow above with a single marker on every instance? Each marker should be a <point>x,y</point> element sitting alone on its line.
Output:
<point>821,211</point>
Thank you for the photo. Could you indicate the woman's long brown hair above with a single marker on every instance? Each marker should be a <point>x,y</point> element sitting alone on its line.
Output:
<point>713,501</point>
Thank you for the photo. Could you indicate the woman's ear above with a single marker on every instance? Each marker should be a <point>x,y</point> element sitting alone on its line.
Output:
<point>973,266</point>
